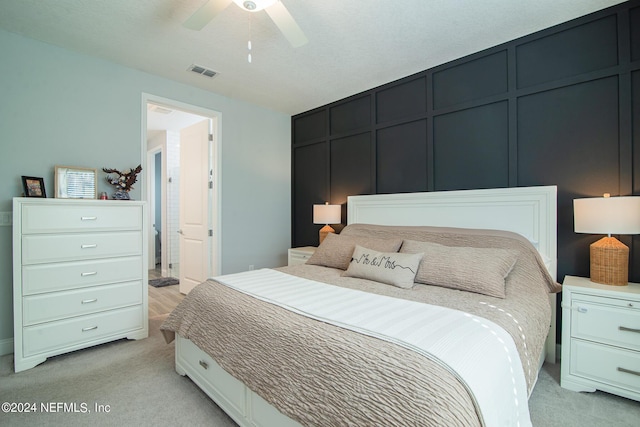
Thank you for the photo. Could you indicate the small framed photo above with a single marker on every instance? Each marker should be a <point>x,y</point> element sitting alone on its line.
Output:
<point>33,186</point>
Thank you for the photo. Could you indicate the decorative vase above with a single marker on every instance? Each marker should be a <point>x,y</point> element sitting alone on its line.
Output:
<point>121,195</point>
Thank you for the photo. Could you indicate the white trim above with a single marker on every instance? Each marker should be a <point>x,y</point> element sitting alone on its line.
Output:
<point>151,199</point>
<point>216,212</point>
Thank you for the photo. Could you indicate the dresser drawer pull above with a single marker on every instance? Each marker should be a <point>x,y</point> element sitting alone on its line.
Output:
<point>205,365</point>
<point>89,273</point>
<point>624,328</point>
<point>91,328</point>
<point>582,309</point>
<point>89,301</point>
<point>88,246</point>
<point>629,371</point>
<point>88,218</point>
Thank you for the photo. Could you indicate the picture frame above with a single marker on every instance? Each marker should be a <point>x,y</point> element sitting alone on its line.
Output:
<point>73,182</point>
<point>33,186</point>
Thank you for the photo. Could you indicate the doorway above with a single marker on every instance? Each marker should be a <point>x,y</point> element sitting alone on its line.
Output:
<point>164,136</point>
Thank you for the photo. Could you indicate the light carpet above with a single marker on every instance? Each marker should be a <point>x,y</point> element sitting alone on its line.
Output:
<point>136,383</point>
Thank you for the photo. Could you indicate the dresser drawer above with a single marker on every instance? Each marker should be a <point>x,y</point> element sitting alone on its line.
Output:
<point>617,325</point>
<point>608,365</point>
<point>60,305</point>
<point>80,218</point>
<point>43,248</point>
<point>80,331</point>
<point>39,278</point>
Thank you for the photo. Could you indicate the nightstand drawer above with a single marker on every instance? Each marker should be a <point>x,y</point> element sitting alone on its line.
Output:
<point>300,255</point>
<point>608,365</point>
<point>605,323</point>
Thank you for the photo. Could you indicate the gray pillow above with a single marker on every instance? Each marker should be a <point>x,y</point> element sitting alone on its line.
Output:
<point>479,270</point>
<point>385,267</point>
<point>335,250</point>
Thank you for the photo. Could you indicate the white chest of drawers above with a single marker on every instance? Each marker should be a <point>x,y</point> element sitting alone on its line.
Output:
<point>79,275</point>
<point>600,337</point>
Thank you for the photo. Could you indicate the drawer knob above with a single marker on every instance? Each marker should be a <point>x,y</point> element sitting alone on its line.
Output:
<point>582,309</point>
<point>89,301</point>
<point>88,246</point>
<point>88,218</point>
<point>89,273</point>
<point>90,328</point>
<point>204,364</point>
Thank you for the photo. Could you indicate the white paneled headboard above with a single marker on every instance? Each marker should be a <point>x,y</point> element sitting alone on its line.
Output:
<point>529,211</point>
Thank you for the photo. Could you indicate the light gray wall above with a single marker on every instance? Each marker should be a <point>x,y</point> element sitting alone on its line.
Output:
<point>59,107</point>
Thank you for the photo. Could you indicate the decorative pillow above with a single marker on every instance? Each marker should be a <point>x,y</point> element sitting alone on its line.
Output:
<point>385,267</point>
<point>335,250</point>
<point>479,270</point>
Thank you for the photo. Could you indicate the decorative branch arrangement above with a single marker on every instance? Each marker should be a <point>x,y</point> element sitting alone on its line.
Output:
<point>123,181</point>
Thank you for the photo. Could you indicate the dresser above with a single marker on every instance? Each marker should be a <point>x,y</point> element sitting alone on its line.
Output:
<point>600,337</point>
<point>79,275</point>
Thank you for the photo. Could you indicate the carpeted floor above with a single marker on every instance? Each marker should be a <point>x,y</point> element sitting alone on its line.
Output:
<point>135,384</point>
<point>136,379</point>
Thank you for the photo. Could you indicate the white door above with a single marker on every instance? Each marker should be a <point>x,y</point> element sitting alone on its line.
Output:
<point>195,199</point>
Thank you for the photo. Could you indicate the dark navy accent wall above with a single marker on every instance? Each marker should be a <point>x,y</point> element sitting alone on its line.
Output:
<point>558,107</point>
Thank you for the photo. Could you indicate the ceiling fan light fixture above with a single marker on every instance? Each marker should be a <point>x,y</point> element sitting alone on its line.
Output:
<point>254,5</point>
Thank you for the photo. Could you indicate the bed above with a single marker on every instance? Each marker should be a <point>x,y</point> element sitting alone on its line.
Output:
<point>350,339</point>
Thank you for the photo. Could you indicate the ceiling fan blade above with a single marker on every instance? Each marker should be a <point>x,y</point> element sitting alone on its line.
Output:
<point>285,22</point>
<point>205,14</point>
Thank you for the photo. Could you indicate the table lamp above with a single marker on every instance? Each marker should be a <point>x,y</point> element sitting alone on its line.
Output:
<point>326,214</point>
<point>609,258</point>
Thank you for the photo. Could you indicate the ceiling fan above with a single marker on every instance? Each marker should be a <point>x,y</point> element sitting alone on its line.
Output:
<point>274,8</point>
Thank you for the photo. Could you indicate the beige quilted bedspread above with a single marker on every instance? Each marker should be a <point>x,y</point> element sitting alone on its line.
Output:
<point>323,375</point>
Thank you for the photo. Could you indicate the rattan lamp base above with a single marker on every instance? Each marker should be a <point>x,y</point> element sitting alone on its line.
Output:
<point>324,231</point>
<point>609,262</point>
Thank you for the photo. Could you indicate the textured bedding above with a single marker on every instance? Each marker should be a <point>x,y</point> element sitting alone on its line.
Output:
<point>321,374</point>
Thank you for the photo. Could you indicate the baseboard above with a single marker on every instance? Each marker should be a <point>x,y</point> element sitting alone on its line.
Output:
<point>6,346</point>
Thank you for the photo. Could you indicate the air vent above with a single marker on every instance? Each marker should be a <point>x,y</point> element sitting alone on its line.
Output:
<point>202,70</point>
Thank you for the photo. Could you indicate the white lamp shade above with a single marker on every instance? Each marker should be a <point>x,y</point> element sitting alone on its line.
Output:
<point>607,215</point>
<point>327,214</point>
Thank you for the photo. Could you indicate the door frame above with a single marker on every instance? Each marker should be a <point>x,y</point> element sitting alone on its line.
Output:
<point>151,200</point>
<point>215,213</point>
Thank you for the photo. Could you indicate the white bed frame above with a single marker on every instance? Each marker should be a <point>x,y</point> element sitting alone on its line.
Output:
<point>529,211</point>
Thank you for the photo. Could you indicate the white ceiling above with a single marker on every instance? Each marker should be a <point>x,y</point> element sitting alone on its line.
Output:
<point>354,45</point>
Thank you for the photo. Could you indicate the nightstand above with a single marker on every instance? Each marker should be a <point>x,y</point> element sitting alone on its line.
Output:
<point>300,255</point>
<point>600,337</point>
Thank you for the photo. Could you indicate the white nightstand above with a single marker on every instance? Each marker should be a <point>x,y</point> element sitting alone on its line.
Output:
<point>300,255</point>
<point>600,337</point>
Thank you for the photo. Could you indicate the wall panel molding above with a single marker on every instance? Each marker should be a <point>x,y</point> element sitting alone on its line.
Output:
<point>560,106</point>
